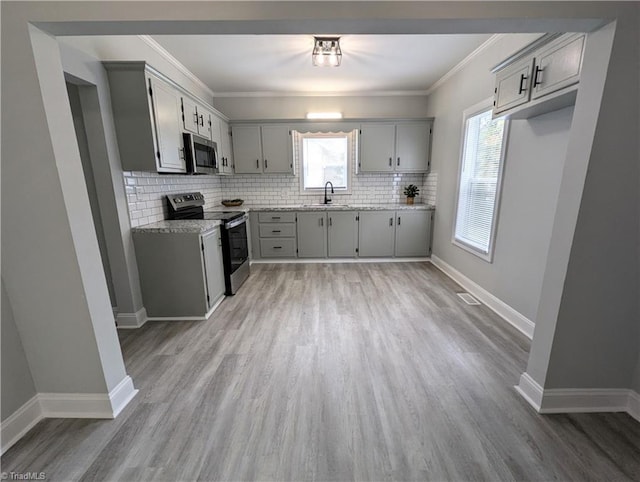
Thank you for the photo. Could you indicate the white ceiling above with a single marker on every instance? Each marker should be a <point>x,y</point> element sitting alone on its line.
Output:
<point>281,64</point>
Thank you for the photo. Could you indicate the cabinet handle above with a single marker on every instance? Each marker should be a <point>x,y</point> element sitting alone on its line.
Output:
<point>330,222</point>
<point>257,163</point>
<point>390,221</point>
<point>399,219</point>
<point>266,164</point>
<point>277,247</point>
<point>521,89</point>
<point>321,221</point>
<point>398,161</point>
<point>390,162</point>
<point>537,82</point>
<point>275,217</point>
<point>275,231</point>
<point>181,152</point>
<point>202,120</point>
<point>196,116</point>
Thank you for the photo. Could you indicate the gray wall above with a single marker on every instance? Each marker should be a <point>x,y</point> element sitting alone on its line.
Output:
<point>87,168</point>
<point>297,107</point>
<point>17,383</point>
<point>597,332</point>
<point>533,168</point>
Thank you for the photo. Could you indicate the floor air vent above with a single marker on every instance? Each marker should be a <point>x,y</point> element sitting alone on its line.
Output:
<point>468,299</point>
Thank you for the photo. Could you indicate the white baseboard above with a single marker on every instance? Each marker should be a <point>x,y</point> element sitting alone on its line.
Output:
<point>121,395</point>
<point>19,423</point>
<point>65,405</point>
<point>633,408</point>
<point>530,390</point>
<point>337,260</point>
<point>578,400</point>
<point>189,318</point>
<point>511,316</point>
<point>131,320</point>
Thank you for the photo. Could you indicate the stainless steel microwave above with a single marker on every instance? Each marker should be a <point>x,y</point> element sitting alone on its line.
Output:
<point>201,154</point>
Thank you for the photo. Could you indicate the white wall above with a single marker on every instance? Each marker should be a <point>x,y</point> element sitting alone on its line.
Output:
<point>17,383</point>
<point>533,168</point>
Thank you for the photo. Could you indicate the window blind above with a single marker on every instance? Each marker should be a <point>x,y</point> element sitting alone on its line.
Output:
<point>480,171</point>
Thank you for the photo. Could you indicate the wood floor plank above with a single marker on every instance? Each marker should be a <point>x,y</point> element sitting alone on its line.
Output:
<point>332,372</point>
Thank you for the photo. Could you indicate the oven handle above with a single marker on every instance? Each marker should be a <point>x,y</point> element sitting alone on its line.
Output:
<point>236,222</point>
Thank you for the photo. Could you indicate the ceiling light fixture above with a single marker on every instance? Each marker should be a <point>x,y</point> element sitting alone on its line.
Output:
<point>324,115</point>
<point>326,52</point>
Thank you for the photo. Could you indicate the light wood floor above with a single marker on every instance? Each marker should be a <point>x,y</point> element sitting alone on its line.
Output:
<point>332,372</point>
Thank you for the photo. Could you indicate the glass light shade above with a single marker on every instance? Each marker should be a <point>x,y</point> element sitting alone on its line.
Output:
<point>326,52</point>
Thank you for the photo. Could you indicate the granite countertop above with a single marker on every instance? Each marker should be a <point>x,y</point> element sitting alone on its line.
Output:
<point>342,207</point>
<point>197,226</point>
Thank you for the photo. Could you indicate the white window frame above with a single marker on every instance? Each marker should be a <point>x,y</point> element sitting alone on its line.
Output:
<point>351,140</point>
<point>476,109</point>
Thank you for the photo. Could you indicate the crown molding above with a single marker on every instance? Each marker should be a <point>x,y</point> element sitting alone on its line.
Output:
<point>460,65</point>
<point>381,93</point>
<point>175,62</point>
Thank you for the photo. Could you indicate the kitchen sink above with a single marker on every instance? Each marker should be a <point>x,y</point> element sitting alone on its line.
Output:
<point>319,205</point>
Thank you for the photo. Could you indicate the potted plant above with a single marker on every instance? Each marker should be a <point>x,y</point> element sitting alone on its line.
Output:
<point>411,191</point>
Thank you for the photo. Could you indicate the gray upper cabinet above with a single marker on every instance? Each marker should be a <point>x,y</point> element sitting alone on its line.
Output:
<point>558,65</point>
<point>196,118</point>
<point>259,149</point>
<point>342,234</point>
<point>395,147</point>
<point>377,231</point>
<point>540,78</point>
<point>247,149</point>
<point>166,106</point>
<point>225,153</point>
<point>147,118</point>
<point>413,233</point>
<point>512,85</point>
<point>213,267</point>
<point>312,234</point>
<point>377,147</point>
<point>412,147</point>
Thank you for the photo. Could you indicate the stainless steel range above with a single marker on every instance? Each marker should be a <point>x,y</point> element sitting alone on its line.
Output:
<point>235,244</point>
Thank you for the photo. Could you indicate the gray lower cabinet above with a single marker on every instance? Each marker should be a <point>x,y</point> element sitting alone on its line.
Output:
<point>413,233</point>
<point>312,234</point>
<point>377,232</point>
<point>181,274</point>
<point>342,234</point>
<point>274,234</point>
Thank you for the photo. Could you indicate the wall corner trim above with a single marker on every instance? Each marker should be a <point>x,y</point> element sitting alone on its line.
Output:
<point>20,422</point>
<point>132,320</point>
<point>503,310</point>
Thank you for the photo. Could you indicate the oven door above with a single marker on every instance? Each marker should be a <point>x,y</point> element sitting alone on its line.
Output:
<point>235,246</point>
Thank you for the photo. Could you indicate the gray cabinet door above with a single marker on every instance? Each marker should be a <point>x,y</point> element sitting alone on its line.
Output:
<point>342,234</point>
<point>247,149</point>
<point>412,147</point>
<point>277,149</point>
<point>377,147</point>
<point>166,106</point>
<point>513,85</point>
<point>376,237</point>
<point>213,268</point>
<point>558,65</point>
<point>413,233</point>
<point>312,234</point>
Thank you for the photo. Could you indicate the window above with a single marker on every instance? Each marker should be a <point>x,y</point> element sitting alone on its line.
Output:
<point>481,165</point>
<point>325,156</point>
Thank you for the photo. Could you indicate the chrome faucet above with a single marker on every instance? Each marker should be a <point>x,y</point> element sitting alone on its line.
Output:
<point>327,200</point>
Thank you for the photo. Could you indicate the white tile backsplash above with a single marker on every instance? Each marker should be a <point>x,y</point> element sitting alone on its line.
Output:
<point>146,191</point>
